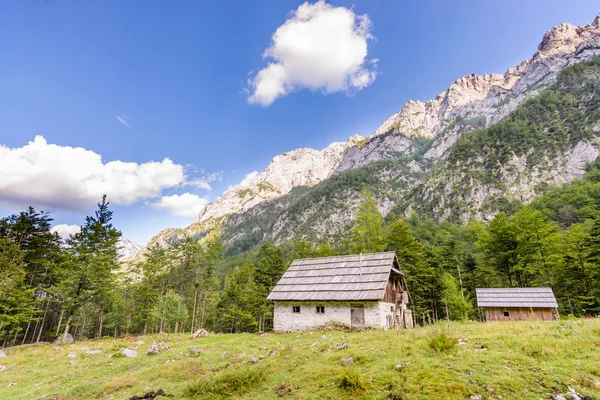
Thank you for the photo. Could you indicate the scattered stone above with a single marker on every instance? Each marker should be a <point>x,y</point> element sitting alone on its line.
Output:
<point>12,384</point>
<point>162,346</point>
<point>153,350</point>
<point>342,346</point>
<point>225,353</point>
<point>2,355</point>
<point>402,365</point>
<point>316,343</point>
<point>200,333</point>
<point>129,353</point>
<point>253,360</point>
<point>463,340</point>
<point>68,338</point>
<point>323,337</point>
<point>3,368</point>
<point>73,362</point>
<point>72,355</point>
<point>93,352</point>
<point>347,361</point>
<point>282,390</point>
<point>272,353</point>
<point>138,343</point>
<point>84,348</point>
<point>193,351</point>
<point>151,395</point>
<point>476,397</point>
<point>261,357</point>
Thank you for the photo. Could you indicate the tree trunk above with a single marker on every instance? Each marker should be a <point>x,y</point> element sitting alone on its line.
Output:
<point>67,326</point>
<point>100,322</point>
<point>60,321</point>
<point>194,312</point>
<point>43,321</point>
<point>26,331</point>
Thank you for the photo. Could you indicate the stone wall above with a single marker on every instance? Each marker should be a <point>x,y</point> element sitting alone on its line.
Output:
<point>377,315</point>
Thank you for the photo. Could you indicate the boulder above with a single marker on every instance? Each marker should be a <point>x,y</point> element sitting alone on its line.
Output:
<point>68,338</point>
<point>200,333</point>
<point>153,350</point>
<point>129,353</point>
<point>2,355</point>
<point>342,346</point>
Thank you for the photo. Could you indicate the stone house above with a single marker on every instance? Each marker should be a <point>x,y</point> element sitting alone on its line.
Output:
<point>517,304</point>
<point>358,291</point>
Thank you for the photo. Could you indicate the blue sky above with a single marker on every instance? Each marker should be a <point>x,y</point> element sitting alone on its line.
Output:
<point>177,73</point>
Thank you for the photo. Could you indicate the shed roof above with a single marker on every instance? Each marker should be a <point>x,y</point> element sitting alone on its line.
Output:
<point>539,297</point>
<point>339,278</point>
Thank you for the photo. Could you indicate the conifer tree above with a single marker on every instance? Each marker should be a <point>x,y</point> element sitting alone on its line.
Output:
<point>367,236</point>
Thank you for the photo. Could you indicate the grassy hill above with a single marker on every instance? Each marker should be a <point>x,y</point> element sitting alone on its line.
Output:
<point>524,360</point>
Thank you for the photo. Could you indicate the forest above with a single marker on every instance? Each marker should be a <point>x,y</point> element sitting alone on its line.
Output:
<point>50,287</point>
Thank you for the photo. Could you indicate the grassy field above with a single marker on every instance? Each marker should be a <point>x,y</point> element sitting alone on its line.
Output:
<point>524,360</point>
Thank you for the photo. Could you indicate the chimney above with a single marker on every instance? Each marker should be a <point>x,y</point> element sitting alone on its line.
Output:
<point>360,264</point>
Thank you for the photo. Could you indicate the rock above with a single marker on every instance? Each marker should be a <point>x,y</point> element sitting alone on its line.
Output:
<point>73,362</point>
<point>138,343</point>
<point>65,339</point>
<point>162,346</point>
<point>347,361</point>
<point>72,355</point>
<point>342,346</point>
<point>193,351</point>
<point>402,365</point>
<point>225,353</point>
<point>463,340</point>
<point>12,384</point>
<point>84,348</point>
<point>153,350</point>
<point>129,353</point>
<point>200,333</point>
<point>93,352</point>
<point>3,368</point>
<point>272,353</point>
<point>323,337</point>
<point>253,360</point>
<point>2,355</point>
<point>315,343</point>
<point>476,397</point>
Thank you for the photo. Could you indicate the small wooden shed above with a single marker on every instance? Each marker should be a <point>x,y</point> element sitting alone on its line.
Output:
<point>362,290</point>
<point>517,304</point>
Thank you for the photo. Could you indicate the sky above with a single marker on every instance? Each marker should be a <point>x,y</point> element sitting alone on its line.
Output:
<point>163,105</point>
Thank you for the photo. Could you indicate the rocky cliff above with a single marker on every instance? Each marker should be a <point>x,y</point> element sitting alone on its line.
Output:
<point>428,170</point>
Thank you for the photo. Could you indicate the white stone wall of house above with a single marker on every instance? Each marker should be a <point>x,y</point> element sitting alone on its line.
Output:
<point>377,315</point>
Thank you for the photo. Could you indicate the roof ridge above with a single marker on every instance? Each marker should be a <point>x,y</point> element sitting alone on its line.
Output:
<point>344,255</point>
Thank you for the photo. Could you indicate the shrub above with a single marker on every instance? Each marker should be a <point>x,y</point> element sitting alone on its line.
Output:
<point>230,382</point>
<point>351,379</point>
<point>440,342</point>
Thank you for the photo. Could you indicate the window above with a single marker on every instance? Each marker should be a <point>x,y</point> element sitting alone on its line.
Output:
<point>320,309</point>
<point>506,314</point>
<point>296,309</point>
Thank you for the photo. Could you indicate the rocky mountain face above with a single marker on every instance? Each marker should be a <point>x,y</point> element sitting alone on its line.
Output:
<point>128,249</point>
<point>448,157</point>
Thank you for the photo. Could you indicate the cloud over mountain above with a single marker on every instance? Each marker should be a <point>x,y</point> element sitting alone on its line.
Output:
<point>73,178</point>
<point>319,47</point>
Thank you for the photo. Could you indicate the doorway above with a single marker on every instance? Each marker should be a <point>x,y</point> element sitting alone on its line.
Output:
<point>357,317</point>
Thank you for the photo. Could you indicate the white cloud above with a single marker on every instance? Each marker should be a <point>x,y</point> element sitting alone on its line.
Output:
<point>123,120</point>
<point>64,230</point>
<point>319,47</point>
<point>73,178</point>
<point>184,205</point>
<point>248,178</point>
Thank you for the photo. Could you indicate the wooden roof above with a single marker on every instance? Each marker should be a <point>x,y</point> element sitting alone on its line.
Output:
<point>343,278</point>
<point>539,297</point>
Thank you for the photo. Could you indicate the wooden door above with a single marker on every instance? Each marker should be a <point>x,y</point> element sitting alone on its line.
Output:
<point>357,317</point>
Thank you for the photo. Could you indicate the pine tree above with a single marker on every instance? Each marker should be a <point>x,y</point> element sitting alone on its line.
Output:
<point>367,234</point>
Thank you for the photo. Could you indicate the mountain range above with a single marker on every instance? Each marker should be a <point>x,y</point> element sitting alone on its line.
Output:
<point>484,142</point>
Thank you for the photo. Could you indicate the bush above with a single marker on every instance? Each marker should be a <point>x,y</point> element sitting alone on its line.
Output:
<point>351,379</point>
<point>235,381</point>
<point>440,342</point>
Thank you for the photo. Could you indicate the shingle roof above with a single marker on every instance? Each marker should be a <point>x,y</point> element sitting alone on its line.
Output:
<point>348,278</point>
<point>540,297</point>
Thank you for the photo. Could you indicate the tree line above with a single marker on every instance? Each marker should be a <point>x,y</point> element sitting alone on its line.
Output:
<point>51,287</point>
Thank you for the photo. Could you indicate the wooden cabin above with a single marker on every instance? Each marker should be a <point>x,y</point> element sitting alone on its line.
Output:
<point>358,291</point>
<point>517,304</point>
